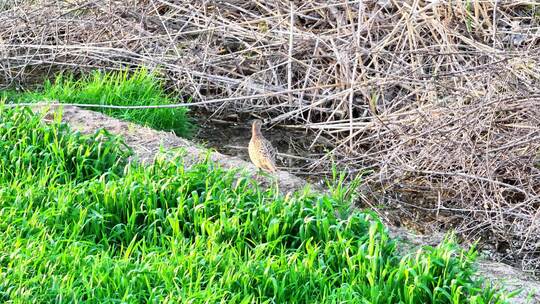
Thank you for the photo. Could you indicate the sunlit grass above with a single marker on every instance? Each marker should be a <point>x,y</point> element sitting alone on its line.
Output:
<point>122,88</point>
<point>79,224</point>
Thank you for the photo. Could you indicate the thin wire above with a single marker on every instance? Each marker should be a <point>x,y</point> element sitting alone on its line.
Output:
<point>105,106</point>
<point>163,106</point>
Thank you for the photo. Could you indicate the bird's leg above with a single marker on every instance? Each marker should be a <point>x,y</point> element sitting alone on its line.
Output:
<point>260,174</point>
<point>276,180</point>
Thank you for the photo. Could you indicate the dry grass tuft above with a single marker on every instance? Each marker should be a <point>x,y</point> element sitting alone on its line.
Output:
<point>441,98</point>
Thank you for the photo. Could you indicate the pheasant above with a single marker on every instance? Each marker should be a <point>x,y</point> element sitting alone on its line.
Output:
<point>261,151</point>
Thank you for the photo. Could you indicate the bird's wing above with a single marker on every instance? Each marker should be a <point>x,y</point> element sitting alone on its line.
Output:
<point>269,150</point>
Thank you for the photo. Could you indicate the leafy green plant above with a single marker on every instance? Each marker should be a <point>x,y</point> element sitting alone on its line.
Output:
<point>119,232</point>
<point>29,146</point>
<point>123,88</point>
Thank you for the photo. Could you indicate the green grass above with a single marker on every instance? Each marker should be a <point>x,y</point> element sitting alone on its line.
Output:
<point>114,88</point>
<point>79,224</point>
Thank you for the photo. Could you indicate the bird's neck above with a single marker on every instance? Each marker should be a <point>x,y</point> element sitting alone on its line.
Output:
<point>256,131</point>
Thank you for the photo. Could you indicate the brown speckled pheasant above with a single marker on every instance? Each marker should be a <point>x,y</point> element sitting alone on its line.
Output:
<point>261,152</point>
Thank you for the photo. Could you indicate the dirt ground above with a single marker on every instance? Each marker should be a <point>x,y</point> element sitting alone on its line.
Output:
<point>147,142</point>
